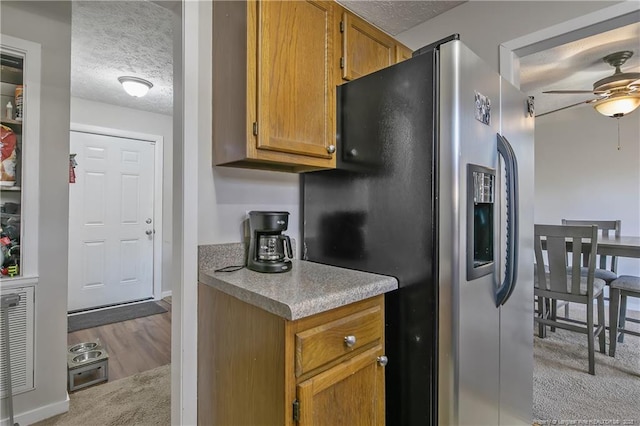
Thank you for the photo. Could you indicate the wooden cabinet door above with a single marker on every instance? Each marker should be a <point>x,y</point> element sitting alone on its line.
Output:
<point>351,393</point>
<point>365,48</point>
<point>402,53</point>
<point>296,85</point>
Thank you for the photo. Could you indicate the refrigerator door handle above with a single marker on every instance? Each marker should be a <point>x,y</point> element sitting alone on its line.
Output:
<point>503,292</point>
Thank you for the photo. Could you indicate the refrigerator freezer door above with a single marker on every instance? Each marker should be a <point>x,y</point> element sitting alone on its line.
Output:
<point>516,335</point>
<point>377,214</point>
<point>468,353</point>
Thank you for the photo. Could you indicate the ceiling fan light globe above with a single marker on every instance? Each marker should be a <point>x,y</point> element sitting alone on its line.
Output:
<point>134,86</point>
<point>617,105</point>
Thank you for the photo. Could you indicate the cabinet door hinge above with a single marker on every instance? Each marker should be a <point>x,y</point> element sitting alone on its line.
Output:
<point>255,128</point>
<point>341,26</point>
<point>296,410</point>
<point>342,62</point>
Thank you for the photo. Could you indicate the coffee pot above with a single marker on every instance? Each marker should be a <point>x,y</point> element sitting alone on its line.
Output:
<point>267,243</point>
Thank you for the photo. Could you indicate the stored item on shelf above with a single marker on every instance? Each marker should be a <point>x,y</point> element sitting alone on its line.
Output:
<point>11,208</point>
<point>7,156</point>
<point>19,103</point>
<point>9,111</point>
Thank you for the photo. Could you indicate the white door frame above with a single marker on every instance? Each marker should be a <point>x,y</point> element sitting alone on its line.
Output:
<point>158,142</point>
<point>606,19</point>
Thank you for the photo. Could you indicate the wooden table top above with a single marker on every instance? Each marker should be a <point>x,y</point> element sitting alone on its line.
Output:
<point>619,246</point>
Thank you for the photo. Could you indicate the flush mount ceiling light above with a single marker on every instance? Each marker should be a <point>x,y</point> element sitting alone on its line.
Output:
<point>134,86</point>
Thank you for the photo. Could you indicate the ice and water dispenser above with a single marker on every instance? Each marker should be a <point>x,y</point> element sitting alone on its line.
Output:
<point>480,221</point>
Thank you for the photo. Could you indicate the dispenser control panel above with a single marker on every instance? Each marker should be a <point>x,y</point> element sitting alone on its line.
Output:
<point>480,221</point>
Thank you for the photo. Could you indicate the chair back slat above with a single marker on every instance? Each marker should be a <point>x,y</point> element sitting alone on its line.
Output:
<point>576,252</point>
<point>610,228</point>
<point>564,246</point>
<point>557,258</point>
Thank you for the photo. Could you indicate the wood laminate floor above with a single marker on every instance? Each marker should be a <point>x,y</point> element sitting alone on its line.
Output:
<point>133,346</point>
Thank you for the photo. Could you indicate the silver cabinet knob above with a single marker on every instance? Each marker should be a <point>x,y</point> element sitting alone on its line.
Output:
<point>331,149</point>
<point>350,341</point>
<point>383,360</point>
<point>148,232</point>
<point>353,153</point>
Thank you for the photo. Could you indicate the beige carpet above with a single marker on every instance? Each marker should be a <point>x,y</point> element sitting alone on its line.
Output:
<point>142,399</point>
<point>563,390</point>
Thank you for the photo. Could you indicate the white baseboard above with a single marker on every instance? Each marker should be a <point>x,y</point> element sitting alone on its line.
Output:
<point>38,414</point>
<point>165,294</point>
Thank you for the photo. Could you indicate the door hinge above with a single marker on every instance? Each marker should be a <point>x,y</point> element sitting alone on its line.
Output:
<point>255,128</point>
<point>342,62</point>
<point>296,410</point>
<point>341,26</point>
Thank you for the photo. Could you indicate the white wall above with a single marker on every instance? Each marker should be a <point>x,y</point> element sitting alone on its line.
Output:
<point>580,173</point>
<point>49,24</point>
<point>88,112</point>
<point>484,25</point>
<point>225,194</point>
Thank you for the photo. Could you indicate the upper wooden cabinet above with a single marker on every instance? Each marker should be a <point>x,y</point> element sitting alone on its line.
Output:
<point>402,52</point>
<point>276,65</point>
<point>274,84</point>
<point>365,48</point>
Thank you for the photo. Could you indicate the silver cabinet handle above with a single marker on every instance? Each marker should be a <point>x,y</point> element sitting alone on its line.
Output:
<point>331,149</point>
<point>383,360</point>
<point>350,341</point>
<point>148,232</point>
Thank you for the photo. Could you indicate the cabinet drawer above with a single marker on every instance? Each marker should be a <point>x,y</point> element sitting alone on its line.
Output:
<point>327,342</point>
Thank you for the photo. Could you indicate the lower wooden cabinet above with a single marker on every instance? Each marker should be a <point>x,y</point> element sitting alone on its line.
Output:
<point>351,393</point>
<point>255,367</point>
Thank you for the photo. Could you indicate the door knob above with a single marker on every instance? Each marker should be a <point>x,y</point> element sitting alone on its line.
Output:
<point>148,232</point>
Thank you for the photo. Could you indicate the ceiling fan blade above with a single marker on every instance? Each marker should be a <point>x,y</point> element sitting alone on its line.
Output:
<point>568,92</point>
<point>566,107</point>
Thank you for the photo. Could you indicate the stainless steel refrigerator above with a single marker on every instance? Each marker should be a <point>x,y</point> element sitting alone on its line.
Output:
<point>422,193</point>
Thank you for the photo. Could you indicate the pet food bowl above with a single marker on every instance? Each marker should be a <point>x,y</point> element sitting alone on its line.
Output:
<point>82,347</point>
<point>87,356</point>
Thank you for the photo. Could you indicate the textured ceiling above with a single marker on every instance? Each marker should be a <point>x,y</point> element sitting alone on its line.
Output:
<point>113,38</point>
<point>397,16</point>
<point>576,66</point>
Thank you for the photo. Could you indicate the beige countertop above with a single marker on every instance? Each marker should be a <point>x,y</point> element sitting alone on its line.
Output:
<point>309,288</point>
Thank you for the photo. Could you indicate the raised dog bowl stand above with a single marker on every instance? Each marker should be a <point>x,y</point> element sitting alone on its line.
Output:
<point>87,364</point>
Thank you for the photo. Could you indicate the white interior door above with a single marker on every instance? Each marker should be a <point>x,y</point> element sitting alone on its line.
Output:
<point>111,227</point>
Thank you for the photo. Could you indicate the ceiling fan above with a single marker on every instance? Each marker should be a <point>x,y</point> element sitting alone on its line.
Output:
<point>617,95</point>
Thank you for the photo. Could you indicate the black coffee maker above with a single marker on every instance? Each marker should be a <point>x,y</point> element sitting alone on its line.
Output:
<point>267,243</point>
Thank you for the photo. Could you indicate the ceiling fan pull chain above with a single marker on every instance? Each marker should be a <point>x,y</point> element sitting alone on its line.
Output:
<point>618,121</point>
